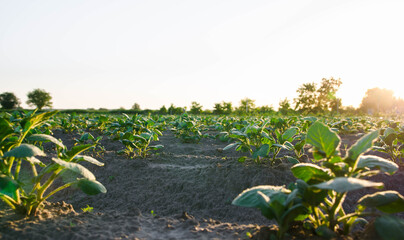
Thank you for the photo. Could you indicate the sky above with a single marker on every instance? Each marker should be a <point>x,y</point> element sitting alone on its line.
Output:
<point>112,54</point>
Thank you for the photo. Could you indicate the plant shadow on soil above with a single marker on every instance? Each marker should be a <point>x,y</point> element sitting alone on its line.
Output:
<point>189,187</point>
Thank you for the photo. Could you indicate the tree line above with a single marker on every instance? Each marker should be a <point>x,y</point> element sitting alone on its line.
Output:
<point>312,98</point>
<point>38,98</point>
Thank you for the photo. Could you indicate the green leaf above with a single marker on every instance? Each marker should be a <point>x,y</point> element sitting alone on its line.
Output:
<point>345,184</point>
<point>24,150</point>
<point>36,120</point>
<point>5,128</point>
<point>293,213</point>
<point>78,149</point>
<point>231,145</point>
<point>157,147</point>
<point>249,197</point>
<point>390,139</point>
<point>8,186</point>
<point>323,139</point>
<point>388,131</point>
<point>375,162</point>
<point>308,171</point>
<point>288,134</point>
<point>74,167</point>
<point>142,137</point>
<point>386,201</point>
<point>292,160</point>
<point>312,196</point>
<point>91,187</point>
<point>389,227</point>
<point>242,159</point>
<point>44,138</point>
<point>88,159</point>
<point>325,232</point>
<point>263,202</point>
<point>361,146</point>
<point>34,160</point>
<point>262,151</point>
<point>235,133</point>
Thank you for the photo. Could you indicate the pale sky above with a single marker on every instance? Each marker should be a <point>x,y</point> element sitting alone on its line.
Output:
<point>111,54</point>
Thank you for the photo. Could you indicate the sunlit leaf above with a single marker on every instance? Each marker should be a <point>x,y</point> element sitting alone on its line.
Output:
<point>91,187</point>
<point>24,150</point>
<point>386,201</point>
<point>44,138</point>
<point>361,146</point>
<point>307,171</point>
<point>75,167</point>
<point>323,139</point>
<point>88,159</point>
<point>389,227</point>
<point>345,184</point>
<point>375,162</point>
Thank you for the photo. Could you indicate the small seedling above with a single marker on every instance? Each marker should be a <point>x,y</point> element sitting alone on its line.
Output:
<point>87,209</point>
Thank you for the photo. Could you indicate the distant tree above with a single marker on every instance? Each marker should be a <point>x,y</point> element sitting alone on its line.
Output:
<point>265,109</point>
<point>136,107</point>
<point>284,106</point>
<point>218,108</point>
<point>163,110</point>
<point>196,108</point>
<point>171,109</point>
<point>227,107</point>
<point>349,110</point>
<point>378,100</point>
<point>313,100</point>
<point>175,110</point>
<point>335,104</point>
<point>306,100</point>
<point>223,108</point>
<point>8,100</point>
<point>399,106</point>
<point>39,98</point>
<point>326,99</point>
<point>246,105</point>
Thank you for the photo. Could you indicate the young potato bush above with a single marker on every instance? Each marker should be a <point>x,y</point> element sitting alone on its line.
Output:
<point>318,195</point>
<point>24,192</point>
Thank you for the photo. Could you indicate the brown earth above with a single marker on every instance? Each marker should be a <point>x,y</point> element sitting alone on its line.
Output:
<point>189,188</point>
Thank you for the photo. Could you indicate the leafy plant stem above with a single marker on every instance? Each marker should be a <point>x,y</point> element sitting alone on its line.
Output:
<point>334,209</point>
<point>50,180</point>
<point>315,214</point>
<point>17,169</point>
<point>10,166</point>
<point>56,190</point>
<point>9,201</point>
<point>34,170</point>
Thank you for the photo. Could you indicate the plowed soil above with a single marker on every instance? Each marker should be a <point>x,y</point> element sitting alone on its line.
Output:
<point>189,188</point>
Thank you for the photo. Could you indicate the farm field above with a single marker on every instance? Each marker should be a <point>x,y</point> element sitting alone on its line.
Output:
<point>178,177</point>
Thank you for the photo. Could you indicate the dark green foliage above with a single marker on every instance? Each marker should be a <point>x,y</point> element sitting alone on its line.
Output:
<point>9,101</point>
<point>39,98</point>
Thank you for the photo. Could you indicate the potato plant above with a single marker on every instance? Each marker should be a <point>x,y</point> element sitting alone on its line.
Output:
<point>136,134</point>
<point>264,141</point>
<point>318,195</point>
<point>25,192</point>
<point>254,139</point>
<point>88,138</point>
<point>188,129</point>
<point>139,144</point>
<point>392,143</point>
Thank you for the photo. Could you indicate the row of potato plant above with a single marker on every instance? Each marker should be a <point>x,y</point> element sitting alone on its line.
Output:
<point>317,196</point>
<point>24,191</point>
